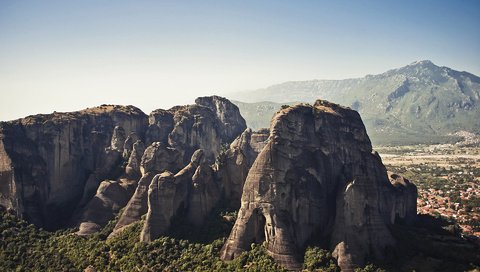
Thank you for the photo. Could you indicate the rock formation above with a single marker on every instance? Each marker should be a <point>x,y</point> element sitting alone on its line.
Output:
<point>406,194</point>
<point>49,163</point>
<point>162,206</point>
<point>52,165</point>
<point>231,122</point>
<point>132,169</point>
<point>160,157</point>
<point>317,178</point>
<point>204,194</point>
<point>136,206</point>
<point>160,125</point>
<point>311,177</point>
<point>192,192</point>
<point>195,190</point>
<point>191,128</point>
<point>233,165</point>
<point>111,196</point>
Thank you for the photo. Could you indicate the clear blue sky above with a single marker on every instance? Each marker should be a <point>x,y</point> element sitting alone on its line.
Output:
<point>68,55</point>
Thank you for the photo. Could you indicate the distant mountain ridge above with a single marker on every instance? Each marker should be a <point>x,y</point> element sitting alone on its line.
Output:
<point>417,103</point>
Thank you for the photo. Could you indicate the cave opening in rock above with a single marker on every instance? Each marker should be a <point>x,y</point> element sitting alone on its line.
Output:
<point>259,222</point>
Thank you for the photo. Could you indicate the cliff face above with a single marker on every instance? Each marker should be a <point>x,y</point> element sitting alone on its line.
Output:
<point>46,160</point>
<point>175,167</point>
<point>234,163</point>
<point>311,177</point>
<point>317,178</point>
<point>51,166</point>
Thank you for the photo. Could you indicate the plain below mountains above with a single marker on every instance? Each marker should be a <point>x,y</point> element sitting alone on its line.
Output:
<point>418,103</point>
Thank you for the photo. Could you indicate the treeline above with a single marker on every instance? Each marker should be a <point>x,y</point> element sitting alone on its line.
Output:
<point>24,247</point>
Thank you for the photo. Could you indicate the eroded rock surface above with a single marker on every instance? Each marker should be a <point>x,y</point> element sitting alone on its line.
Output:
<point>111,196</point>
<point>51,165</point>
<point>231,122</point>
<point>317,178</point>
<point>160,157</point>
<point>234,164</point>
<point>137,205</point>
<point>405,198</point>
<point>192,192</point>
<point>47,159</point>
<point>162,206</point>
<point>133,169</point>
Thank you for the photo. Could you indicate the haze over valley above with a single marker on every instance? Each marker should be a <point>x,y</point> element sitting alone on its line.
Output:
<point>418,103</point>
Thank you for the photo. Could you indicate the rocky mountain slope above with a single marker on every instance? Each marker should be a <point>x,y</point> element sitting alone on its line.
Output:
<point>420,102</point>
<point>311,178</point>
<point>63,168</point>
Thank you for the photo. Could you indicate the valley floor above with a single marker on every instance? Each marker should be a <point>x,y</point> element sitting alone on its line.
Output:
<point>447,178</point>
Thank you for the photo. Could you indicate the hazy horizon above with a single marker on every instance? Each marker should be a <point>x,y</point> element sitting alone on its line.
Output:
<point>66,56</point>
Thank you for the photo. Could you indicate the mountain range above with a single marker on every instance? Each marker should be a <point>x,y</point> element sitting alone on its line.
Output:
<point>417,103</point>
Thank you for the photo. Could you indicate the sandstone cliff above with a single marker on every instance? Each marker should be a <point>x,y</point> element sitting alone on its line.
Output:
<point>48,163</point>
<point>234,163</point>
<point>184,140</point>
<point>317,179</point>
<point>311,177</point>
<point>51,165</point>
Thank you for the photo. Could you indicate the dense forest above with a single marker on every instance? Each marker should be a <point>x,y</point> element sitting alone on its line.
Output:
<point>23,247</point>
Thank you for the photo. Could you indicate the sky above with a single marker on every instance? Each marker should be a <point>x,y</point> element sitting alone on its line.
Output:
<point>70,55</point>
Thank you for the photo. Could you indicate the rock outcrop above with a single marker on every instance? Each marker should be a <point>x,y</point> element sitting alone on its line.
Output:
<point>192,193</point>
<point>318,179</point>
<point>167,197</point>
<point>49,163</point>
<point>234,163</point>
<point>231,122</point>
<point>312,177</point>
<point>133,169</point>
<point>160,157</point>
<point>52,165</point>
<point>205,192</point>
<point>406,194</point>
<point>161,206</point>
<point>160,125</point>
<point>136,206</point>
<point>111,196</point>
<point>197,131</point>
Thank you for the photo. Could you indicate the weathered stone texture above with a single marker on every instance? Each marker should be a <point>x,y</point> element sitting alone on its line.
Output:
<point>316,178</point>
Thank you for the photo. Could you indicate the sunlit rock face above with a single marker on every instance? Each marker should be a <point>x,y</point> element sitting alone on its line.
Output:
<point>311,177</point>
<point>317,178</point>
